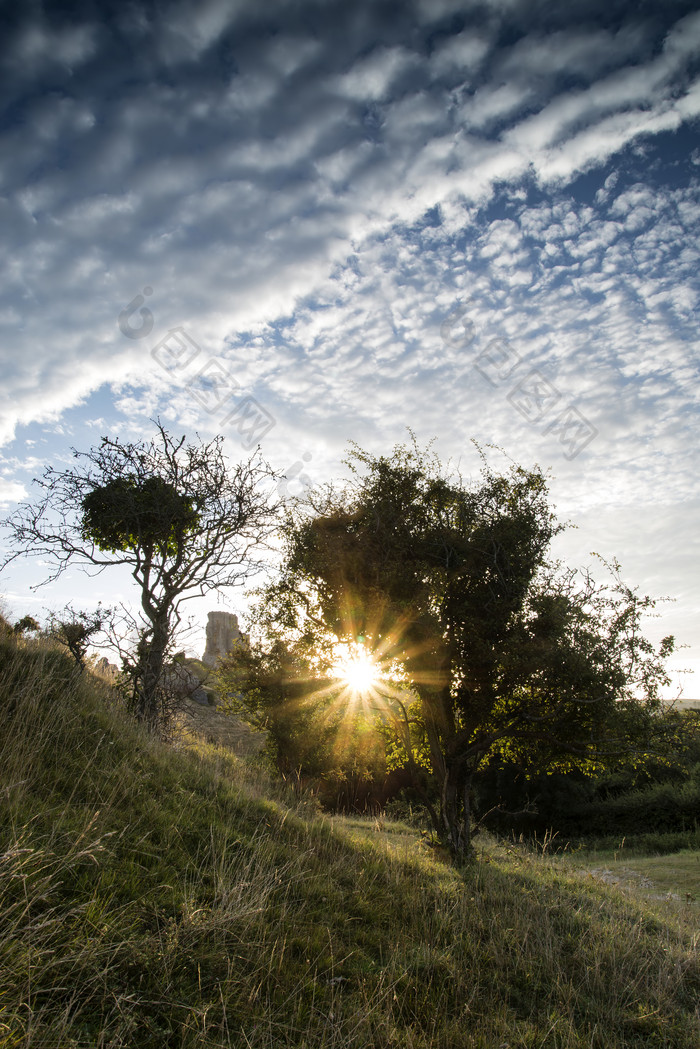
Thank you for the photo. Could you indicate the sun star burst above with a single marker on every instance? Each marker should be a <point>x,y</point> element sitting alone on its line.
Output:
<point>358,670</point>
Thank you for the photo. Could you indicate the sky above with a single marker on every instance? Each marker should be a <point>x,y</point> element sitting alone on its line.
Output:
<point>300,224</point>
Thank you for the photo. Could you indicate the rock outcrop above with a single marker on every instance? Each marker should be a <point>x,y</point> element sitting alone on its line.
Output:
<point>222,635</point>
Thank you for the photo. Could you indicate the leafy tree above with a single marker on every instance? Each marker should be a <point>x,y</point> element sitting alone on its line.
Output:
<point>176,515</point>
<point>502,651</point>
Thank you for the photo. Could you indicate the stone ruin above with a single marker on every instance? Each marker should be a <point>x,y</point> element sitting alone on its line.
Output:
<point>106,669</point>
<point>222,635</point>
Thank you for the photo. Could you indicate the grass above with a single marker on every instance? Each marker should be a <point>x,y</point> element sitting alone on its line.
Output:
<point>166,897</point>
<point>676,875</point>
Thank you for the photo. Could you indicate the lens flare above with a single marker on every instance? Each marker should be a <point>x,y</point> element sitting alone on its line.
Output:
<point>358,670</point>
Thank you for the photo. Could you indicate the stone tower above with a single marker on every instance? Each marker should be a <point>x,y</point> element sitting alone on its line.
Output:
<point>222,634</point>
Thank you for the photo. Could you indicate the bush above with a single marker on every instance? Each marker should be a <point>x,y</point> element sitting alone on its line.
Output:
<point>639,844</point>
<point>659,808</point>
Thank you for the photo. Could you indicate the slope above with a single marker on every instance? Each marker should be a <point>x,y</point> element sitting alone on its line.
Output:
<point>167,897</point>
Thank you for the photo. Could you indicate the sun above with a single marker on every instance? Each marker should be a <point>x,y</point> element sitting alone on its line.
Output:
<point>358,670</point>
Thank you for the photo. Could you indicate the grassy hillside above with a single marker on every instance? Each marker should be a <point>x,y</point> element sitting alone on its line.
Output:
<point>155,897</point>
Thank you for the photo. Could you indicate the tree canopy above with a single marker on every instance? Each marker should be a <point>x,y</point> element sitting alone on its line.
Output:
<point>128,512</point>
<point>488,646</point>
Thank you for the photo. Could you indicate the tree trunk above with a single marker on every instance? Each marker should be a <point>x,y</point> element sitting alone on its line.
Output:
<point>437,758</point>
<point>417,774</point>
<point>150,674</point>
<point>455,811</point>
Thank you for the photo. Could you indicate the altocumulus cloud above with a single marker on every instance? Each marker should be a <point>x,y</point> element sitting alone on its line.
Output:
<point>311,189</point>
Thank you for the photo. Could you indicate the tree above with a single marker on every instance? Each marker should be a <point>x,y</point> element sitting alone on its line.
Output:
<point>175,514</point>
<point>75,629</point>
<point>503,652</point>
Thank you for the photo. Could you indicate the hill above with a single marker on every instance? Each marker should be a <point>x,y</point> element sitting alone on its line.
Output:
<point>155,896</point>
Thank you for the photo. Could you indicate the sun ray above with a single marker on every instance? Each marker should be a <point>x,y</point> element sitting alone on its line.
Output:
<point>357,668</point>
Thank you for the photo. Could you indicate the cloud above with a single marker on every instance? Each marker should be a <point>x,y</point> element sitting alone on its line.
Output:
<point>38,48</point>
<point>371,78</point>
<point>11,492</point>
<point>459,56</point>
<point>258,189</point>
<point>309,190</point>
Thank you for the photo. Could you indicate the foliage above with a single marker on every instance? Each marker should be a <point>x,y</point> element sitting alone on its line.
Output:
<point>131,512</point>
<point>654,792</point>
<point>27,624</point>
<point>659,807</point>
<point>507,654</point>
<point>309,737</point>
<point>650,843</point>
<point>176,515</point>
<point>76,630</point>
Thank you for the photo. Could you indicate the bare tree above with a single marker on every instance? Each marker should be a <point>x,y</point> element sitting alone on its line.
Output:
<point>177,515</point>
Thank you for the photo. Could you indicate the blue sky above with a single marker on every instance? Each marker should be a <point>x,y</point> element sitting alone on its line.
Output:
<point>479,220</point>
